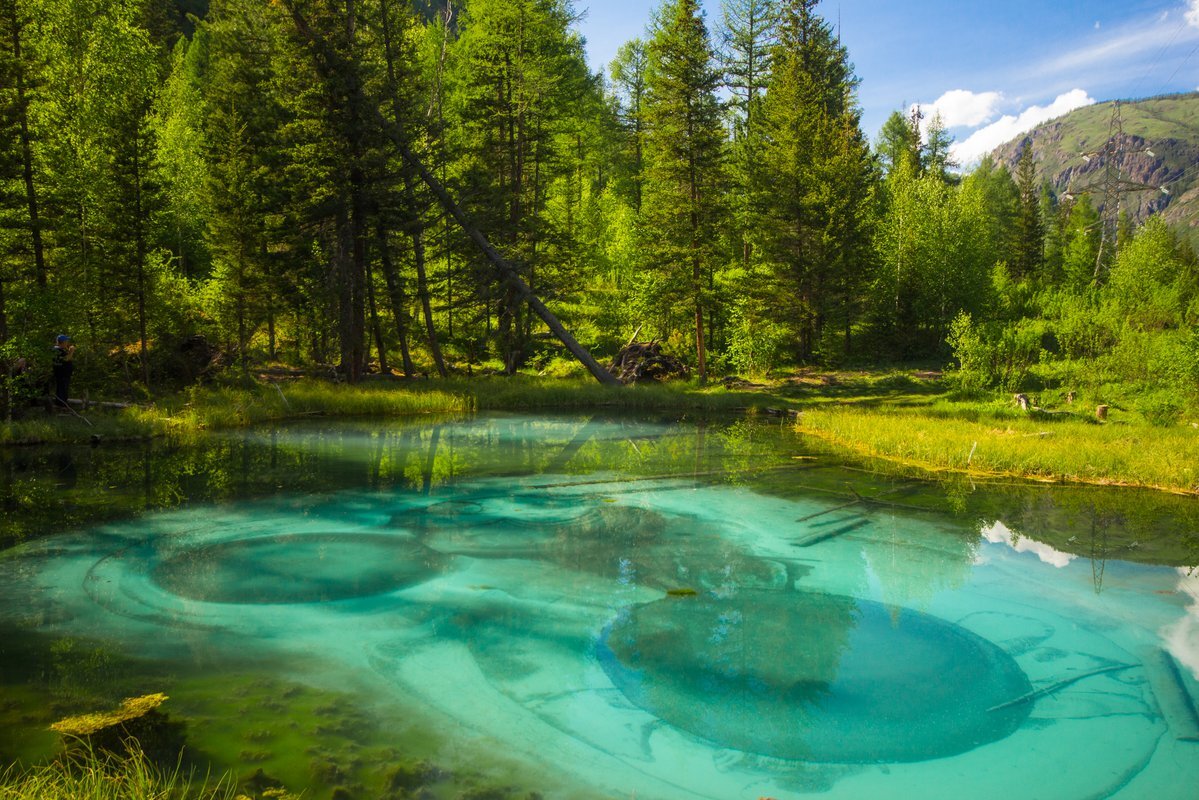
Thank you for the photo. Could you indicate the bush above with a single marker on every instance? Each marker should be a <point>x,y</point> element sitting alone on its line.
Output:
<point>756,344</point>
<point>995,355</point>
<point>1160,409</point>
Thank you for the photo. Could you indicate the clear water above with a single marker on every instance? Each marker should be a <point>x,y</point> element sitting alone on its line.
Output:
<point>588,607</point>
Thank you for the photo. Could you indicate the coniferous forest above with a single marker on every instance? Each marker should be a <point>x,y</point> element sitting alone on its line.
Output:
<point>189,187</point>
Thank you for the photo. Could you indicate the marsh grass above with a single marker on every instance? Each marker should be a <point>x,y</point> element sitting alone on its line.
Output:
<point>990,439</point>
<point>892,416</point>
<point>92,776</point>
<point>251,403</point>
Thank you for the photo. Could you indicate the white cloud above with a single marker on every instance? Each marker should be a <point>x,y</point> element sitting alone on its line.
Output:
<point>960,107</point>
<point>1009,126</point>
<point>998,533</point>
<point>1192,13</point>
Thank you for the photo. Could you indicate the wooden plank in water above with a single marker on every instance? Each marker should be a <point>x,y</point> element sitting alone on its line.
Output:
<point>1176,702</point>
<point>1036,694</point>
<point>808,541</point>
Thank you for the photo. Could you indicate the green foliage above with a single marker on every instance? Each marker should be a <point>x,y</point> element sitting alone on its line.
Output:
<point>756,343</point>
<point>995,355</point>
<point>1161,409</point>
<point>241,189</point>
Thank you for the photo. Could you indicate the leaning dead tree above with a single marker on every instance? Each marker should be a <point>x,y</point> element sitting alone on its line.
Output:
<point>332,65</point>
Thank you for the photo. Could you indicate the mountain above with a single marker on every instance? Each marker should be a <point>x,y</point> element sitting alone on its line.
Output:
<point>1159,147</point>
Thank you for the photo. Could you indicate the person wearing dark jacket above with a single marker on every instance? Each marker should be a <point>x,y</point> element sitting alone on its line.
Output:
<point>64,365</point>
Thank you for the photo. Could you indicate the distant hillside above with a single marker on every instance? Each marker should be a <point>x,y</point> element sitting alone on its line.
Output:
<point>1161,148</point>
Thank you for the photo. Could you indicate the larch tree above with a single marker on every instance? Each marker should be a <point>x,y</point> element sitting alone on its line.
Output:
<point>518,79</point>
<point>628,80</point>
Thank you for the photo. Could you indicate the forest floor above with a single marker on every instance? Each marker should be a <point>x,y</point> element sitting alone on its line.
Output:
<point>911,419</point>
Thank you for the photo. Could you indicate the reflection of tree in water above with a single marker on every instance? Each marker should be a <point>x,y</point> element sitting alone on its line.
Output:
<point>424,455</point>
<point>914,560</point>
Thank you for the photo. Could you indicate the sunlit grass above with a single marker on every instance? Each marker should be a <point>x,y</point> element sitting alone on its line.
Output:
<point>891,416</point>
<point>214,408</point>
<point>97,777</point>
<point>990,439</point>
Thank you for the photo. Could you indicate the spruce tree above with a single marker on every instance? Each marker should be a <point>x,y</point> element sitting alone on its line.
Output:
<point>682,211</point>
<point>819,180</point>
<point>1028,248</point>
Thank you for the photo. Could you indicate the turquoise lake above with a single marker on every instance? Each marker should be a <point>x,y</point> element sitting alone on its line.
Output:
<point>587,606</point>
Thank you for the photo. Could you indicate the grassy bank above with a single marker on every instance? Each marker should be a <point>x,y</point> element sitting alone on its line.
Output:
<point>993,441</point>
<point>902,419</point>
<point>209,408</point>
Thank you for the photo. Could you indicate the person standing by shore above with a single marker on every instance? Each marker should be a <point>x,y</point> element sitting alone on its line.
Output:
<point>64,365</point>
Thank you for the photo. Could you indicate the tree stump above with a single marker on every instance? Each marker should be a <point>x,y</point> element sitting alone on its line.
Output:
<point>1101,413</point>
<point>645,361</point>
<point>1022,401</point>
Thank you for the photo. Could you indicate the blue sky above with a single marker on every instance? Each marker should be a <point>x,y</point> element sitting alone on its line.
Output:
<point>993,69</point>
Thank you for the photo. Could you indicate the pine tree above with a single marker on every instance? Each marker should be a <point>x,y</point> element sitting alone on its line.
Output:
<point>682,209</point>
<point>628,77</point>
<point>935,154</point>
<point>748,36</point>
<point>1028,254</point>
<point>818,181</point>
<point>518,78</point>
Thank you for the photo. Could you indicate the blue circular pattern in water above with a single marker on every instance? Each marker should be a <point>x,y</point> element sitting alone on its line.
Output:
<point>815,677</point>
<point>291,568</point>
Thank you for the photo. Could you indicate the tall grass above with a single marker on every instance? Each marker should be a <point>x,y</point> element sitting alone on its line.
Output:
<point>982,439</point>
<point>212,408</point>
<point>97,777</point>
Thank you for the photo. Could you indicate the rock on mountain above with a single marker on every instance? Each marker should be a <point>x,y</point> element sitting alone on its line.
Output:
<point>1158,148</point>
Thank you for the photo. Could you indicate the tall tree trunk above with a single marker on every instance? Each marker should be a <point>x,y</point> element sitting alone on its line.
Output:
<point>376,328</point>
<point>395,292</point>
<point>349,336</point>
<point>3,315</point>
<point>416,225</point>
<point>416,230</point>
<point>35,228</point>
<point>139,237</point>
<point>355,327</point>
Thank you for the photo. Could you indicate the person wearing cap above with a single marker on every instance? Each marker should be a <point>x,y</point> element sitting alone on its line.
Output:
<point>64,365</point>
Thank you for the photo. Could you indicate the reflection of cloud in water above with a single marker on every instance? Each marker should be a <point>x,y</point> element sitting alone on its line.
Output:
<point>998,533</point>
<point>1182,637</point>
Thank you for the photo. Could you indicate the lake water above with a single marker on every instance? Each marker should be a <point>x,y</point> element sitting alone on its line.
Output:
<point>509,606</point>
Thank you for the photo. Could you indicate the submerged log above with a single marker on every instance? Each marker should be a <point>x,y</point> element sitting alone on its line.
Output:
<point>136,725</point>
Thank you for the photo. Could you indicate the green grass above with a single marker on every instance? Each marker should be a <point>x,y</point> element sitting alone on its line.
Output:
<point>213,408</point>
<point>895,416</point>
<point>96,777</point>
<point>990,439</point>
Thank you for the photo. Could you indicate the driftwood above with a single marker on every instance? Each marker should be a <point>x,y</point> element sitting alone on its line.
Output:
<point>1036,694</point>
<point>136,725</point>
<point>645,361</point>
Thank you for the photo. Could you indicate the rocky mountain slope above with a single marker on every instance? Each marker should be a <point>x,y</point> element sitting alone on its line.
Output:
<point>1158,162</point>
